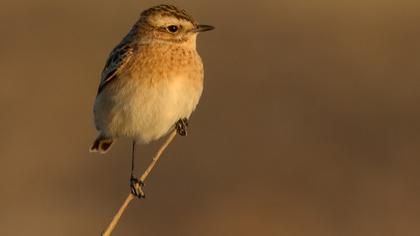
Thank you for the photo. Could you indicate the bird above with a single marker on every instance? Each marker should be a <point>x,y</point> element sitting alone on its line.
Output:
<point>152,81</point>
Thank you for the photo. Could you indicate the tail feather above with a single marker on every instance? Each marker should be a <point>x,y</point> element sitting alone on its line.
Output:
<point>101,144</point>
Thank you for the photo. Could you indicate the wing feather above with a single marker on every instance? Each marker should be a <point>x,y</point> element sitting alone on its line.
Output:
<point>117,61</point>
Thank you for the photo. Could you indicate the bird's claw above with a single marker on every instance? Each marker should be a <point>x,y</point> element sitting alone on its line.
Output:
<point>181,126</point>
<point>135,186</point>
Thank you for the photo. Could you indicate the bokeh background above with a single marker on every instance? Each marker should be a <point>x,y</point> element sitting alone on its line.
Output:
<point>309,122</point>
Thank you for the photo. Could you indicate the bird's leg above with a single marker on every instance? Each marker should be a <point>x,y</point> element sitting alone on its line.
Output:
<point>135,184</point>
<point>181,126</point>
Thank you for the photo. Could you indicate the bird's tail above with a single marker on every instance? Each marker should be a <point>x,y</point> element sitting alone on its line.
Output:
<point>102,144</point>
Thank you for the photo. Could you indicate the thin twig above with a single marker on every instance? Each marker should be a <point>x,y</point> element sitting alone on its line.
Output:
<point>130,197</point>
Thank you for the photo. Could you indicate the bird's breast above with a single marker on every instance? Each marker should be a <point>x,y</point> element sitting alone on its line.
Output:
<point>160,87</point>
<point>166,62</point>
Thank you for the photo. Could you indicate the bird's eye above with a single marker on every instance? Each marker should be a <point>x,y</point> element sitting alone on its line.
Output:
<point>172,28</point>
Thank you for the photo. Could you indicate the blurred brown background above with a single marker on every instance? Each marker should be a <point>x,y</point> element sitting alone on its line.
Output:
<point>309,123</point>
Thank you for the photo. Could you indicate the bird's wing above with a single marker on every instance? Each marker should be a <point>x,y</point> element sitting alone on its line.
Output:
<point>117,61</point>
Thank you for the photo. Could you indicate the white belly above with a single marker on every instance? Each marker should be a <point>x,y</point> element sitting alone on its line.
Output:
<point>145,110</point>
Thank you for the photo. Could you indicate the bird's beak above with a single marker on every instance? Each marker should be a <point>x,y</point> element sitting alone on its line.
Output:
<point>202,28</point>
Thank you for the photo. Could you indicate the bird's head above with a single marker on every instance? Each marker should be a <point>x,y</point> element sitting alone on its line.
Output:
<point>167,23</point>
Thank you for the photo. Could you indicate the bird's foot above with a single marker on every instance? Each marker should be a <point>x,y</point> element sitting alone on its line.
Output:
<point>181,126</point>
<point>136,189</point>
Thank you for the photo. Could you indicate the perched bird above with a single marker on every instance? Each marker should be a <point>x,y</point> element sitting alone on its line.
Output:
<point>152,80</point>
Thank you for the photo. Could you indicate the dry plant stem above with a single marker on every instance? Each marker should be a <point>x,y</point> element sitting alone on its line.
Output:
<point>130,196</point>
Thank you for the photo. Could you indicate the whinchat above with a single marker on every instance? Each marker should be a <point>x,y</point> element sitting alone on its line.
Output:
<point>152,80</point>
